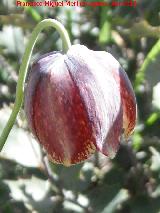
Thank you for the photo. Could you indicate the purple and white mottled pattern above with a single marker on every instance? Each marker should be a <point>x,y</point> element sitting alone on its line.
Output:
<point>79,102</point>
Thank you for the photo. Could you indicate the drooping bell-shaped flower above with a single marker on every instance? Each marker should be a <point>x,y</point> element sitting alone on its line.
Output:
<point>79,102</point>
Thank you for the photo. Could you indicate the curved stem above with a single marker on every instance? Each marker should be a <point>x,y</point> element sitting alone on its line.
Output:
<point>24,67</point>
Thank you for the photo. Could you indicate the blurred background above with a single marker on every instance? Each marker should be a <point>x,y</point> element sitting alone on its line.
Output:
<point>130,183</point>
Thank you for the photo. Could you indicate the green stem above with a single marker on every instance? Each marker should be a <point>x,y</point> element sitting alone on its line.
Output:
<point>149,58</point>
<point>24,67</point>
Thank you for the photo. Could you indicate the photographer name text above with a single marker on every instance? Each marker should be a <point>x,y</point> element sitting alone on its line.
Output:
<point>131,3</point>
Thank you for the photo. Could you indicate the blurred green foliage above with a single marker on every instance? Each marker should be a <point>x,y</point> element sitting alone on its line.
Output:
<point>131,182</point>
